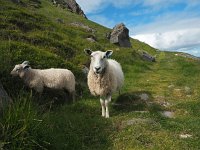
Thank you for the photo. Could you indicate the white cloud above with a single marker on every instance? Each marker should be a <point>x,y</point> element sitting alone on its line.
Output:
<point>171,40</point>
<point>169,22</point>
<point>175,32</point>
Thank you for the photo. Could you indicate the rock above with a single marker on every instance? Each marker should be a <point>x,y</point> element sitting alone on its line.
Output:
<point>144,97</point>
<point>61,21</point>
<point>91,38</point>
<point>108,35</point>
<point>120,36</point>
<point>85,70</point>
<point>187,90</point>
<point>5,100</point>
<point>184,136</point>
<point>136,121</point>
<point>167,114</point>
<point>148,57</point>
<point>171,86</point>
<point>71,5</point>
<point>79,24</point>
<point>165,104</point>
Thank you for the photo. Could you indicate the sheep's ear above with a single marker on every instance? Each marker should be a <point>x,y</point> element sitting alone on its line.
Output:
<point>26,63</point>
<point>88,51</point>
<point>108,53</point>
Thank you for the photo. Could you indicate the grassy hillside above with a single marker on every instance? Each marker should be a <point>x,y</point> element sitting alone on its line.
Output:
<point>41,33</point>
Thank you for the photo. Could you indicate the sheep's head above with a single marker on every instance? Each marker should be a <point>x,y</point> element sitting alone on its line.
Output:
<point>20,69</point>
<point>98,59</point>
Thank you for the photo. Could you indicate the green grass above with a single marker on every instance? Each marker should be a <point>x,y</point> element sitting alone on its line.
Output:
<point>30,31</point>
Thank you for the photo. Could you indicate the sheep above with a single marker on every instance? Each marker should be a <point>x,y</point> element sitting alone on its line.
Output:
<point>104,78</point>
<point>51,78</point>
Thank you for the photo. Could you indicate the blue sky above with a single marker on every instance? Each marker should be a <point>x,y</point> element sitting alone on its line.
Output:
<point>164,24</point>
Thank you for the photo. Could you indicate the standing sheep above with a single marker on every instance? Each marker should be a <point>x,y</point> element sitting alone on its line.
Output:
<point>50,78</point>
<point>104,78</point>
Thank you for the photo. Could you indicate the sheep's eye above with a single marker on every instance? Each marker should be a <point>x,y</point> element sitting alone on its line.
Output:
<point>17,69</point>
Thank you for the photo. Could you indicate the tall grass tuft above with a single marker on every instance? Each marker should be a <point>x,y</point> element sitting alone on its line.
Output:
<point>19,125</point>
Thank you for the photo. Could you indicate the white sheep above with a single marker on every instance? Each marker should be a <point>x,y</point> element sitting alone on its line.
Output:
<point>104,78</point>
<point>50,78</point>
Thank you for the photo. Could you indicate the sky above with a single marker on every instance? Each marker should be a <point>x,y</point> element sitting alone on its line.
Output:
<point>172,25</point>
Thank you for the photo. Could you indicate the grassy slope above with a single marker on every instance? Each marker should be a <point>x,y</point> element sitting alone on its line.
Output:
<point>33,34</point>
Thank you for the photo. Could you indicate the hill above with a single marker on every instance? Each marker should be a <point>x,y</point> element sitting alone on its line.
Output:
<point>45,35</point>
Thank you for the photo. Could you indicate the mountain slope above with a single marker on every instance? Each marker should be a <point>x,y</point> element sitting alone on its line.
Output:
<point>42,33</point>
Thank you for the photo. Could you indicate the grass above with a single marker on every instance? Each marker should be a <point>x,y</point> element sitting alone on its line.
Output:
<point>30,31</point>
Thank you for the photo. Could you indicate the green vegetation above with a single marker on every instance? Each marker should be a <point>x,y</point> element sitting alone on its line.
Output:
<point>31,31</point>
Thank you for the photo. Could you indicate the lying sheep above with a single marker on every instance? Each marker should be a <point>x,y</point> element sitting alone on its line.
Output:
<point>104,78</point>
<point>50,78</point>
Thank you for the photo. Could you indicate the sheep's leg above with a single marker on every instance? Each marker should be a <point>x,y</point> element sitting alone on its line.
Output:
<point>102,107</point>
<point>107,100</point>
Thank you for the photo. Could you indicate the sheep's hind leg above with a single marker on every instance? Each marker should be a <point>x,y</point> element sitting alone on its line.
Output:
<point>108,99</point>
<point>102,107</point>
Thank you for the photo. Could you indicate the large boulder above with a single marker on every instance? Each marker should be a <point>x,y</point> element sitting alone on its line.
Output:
<point>70,5</point>
<point>120,36</point>
<point>5,100</point>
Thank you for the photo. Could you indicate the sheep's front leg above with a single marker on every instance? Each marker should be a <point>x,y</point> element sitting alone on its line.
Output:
<point>102,107</point>
<point>108,99</point>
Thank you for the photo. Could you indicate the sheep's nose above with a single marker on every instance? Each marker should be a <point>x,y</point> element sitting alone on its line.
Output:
<point>97,68</point>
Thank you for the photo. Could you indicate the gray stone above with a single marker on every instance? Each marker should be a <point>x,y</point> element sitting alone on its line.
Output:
<point>108,35</point>
<point>148,57</point>
<point>81,25</point>
<point>165,104</point>
<point>185,136</point>
<point>85,70</point>
<point>167,114</point>
<point>60,20</point>
<point>187,90</point>
<point>120,36</point>
<point>171,86</point>
<point>144,96</point>
<point>136,121</point>
<point>91,40</point>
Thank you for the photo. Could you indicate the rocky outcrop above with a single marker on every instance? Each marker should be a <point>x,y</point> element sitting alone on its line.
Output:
<point>81,25</point>
<point>5,100</point>
<point>70,5</point>
<point>148,57</point>
<point>120,36</point>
